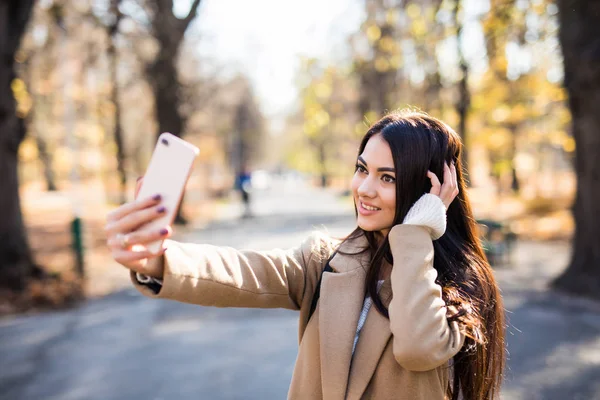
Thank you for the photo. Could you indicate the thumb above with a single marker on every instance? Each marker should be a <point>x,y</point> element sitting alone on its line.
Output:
<point>138,185</point>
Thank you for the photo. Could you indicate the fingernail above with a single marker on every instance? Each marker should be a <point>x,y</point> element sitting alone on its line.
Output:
<point>138,178</point>
<point>164,231</point>
<point>161,209</point>
<point>156,197</point>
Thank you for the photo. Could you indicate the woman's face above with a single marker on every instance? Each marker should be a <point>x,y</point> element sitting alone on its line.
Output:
<point>374,186</point>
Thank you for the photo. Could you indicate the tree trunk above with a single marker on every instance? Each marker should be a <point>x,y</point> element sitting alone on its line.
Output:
<point>118,131</point>
<point>462,108</point>
<point>323,165</point>
<point>45,156</point>
<point>165,86</point>
<point>169,32</point>
<point>515,186</point>
<point>16,261</point>
<point>464,98</point>
<point>579,33</point>
<point>46,160</point>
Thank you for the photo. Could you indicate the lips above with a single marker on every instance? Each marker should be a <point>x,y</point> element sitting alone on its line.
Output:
<point>367,209</point>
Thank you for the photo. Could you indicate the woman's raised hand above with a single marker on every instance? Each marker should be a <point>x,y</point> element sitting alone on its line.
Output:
<point>126,243</point>
<point>449,190</point>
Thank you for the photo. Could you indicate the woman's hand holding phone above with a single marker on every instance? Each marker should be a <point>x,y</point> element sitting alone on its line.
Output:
<point>127,243</point>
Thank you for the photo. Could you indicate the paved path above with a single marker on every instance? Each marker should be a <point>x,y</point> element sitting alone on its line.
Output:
<point>128,347</point>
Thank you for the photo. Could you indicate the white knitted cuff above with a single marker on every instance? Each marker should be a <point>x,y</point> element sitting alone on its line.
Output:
<point>429,211</point>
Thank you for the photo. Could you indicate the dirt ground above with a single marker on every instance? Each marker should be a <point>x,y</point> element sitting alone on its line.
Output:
<point>48,217</point>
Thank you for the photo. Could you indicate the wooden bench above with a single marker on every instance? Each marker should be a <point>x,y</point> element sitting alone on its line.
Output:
<point>497,240</point>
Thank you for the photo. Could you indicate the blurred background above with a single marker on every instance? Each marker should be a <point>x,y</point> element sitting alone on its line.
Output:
<point>277,96</point>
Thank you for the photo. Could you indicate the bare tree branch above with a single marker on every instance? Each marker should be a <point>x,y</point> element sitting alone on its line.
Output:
<point>191,14</point>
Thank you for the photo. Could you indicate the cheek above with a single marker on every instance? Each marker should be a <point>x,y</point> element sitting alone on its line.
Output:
<point>389,196</point>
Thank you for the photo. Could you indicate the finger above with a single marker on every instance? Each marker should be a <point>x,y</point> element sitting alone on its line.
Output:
<point>435,183</point>
<point>115,242</point>
<point>135,260</point>
<point>130,207</point>
<point>454,177</point>
<point>134,220</point>
<point>138,186</point>
<point>145,236</point>
<point>447,187</point>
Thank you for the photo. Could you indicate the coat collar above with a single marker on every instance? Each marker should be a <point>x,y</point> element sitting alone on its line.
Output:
<point>347,258</point>
<point>342,297</point>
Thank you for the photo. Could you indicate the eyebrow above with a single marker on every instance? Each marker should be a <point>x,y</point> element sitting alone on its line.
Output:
<point>382,169</point>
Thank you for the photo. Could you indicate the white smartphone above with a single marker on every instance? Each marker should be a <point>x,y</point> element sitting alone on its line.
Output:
<point>167,175</point>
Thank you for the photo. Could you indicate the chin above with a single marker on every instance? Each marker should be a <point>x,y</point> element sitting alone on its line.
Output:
<point>369,227</point>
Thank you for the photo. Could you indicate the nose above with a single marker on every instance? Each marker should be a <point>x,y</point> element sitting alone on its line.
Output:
<point>367,189</point>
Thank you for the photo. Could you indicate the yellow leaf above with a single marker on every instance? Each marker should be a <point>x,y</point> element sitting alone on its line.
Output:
<point>413,10</point>
<point>387,44</point>
<point>322,119</point>
<point>373,33</point>
<point>371,117</point>
<point>396,61</point>
<point>28,150</point>
<point>17,85</point>
<point>499,139</point>
<point>419,27</point>
<point>478,101</point>
<point>310,129</point>
<point>359,129</point>
<point>323,90</point>
<point>518,113</point>
<point>391,17</point>
<point>430,13</point>
<point>569,145</point>
<point>24,104</point>
<point>381,64</point>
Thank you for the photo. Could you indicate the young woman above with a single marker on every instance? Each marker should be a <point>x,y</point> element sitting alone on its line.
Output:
<point>408,308</point>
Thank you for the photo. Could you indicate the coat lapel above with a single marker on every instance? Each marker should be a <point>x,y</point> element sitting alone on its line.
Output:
<point>372,342</point>
<point>339,309</point>
<point>342,298</point>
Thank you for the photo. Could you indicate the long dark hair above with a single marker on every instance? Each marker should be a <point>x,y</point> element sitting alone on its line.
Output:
<point>419,143</point>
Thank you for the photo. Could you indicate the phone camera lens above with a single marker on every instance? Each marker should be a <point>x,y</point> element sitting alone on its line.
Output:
<point>165,142</point>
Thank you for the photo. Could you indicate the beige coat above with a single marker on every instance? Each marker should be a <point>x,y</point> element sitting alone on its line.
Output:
<point>405,357</point>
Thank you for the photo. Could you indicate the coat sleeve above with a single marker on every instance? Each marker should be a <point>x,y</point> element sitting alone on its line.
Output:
<point>423,339</point>
<point>224,277</point>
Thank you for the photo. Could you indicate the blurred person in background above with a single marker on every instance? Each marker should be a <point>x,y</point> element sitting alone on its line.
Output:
<point>405,307</point>
<point>243,183</point>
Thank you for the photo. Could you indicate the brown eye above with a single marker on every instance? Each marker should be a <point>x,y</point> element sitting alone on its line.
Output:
<point>388,179</point>
<point>360,169</point>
